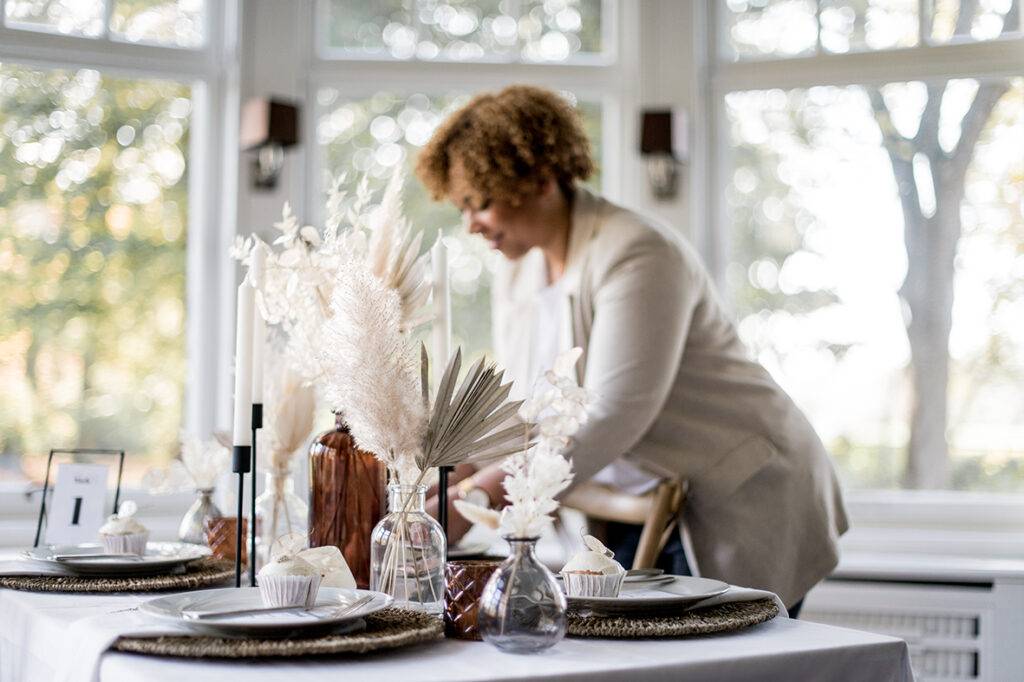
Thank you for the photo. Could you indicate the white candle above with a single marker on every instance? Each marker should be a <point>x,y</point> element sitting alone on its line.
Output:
<point>441,330</point>
<point>259,325</point>
<point>243,365</point>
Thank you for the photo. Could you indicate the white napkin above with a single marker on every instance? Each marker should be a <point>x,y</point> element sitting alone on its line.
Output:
<point>91,637</point>
<point>738,594</point>
<point>29,568</point>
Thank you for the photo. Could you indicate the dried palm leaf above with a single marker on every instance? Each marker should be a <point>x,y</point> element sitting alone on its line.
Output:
<point>475,423</point>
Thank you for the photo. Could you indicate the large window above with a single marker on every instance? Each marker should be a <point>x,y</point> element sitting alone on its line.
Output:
<point>371,131</point>
<point>95,218</point>
<point>876,228</point>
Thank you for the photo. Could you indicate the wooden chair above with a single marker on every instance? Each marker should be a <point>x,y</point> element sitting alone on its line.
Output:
<point>658,512</point>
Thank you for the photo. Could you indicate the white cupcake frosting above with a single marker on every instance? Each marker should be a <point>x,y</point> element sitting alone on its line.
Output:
<point>123,522</point>
<point>285,565</point>
<point>595,558</point>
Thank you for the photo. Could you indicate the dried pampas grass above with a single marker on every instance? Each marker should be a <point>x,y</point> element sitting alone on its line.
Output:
<point>373,373</point>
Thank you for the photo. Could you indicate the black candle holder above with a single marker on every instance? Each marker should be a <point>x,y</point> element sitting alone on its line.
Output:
<point>442,503</point>
<point>241,460</point>
<point>257,423</point>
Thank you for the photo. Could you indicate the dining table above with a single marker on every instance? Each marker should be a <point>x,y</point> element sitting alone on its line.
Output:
<point>38,636</point>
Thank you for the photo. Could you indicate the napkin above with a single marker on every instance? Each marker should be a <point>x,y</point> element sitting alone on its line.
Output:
<point>737,594</point>
<point>92,636</point>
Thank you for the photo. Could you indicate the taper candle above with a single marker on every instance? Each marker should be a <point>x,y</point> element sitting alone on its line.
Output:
<point>259,325</point>
<point>441,329</point>
<point>243,365</point>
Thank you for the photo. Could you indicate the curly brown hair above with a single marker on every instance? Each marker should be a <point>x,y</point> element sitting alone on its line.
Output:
<point>507,142</point>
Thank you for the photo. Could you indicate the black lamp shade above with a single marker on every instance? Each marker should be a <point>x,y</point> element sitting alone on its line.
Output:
<point>268,121</point>
<point>656,132</point>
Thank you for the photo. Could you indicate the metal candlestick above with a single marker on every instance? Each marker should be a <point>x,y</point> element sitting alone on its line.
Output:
<point>241,458</point>
<point>442,503</point>
<point>257,423</point>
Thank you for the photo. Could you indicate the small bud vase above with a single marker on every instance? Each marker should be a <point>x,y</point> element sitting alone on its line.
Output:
<point>407,552</point>
<point>522,609</point>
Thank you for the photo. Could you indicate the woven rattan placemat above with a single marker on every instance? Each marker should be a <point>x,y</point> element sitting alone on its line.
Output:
<point>721,618</point>
<point>202,573</point>
<point>387,629</point>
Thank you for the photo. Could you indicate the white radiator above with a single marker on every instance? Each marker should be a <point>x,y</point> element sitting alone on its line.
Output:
<point>963,620</point>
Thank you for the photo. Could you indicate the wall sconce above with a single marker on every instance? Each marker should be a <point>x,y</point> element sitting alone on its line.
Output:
<point>268,126</point>
<point>663,145</point>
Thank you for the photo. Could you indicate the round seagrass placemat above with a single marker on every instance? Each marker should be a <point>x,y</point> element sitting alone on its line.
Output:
<point>721,618</point>
<point>387,629</point>
<point>203,573</point>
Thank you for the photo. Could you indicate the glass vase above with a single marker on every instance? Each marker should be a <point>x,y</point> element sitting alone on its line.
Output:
<point>522,608</point>
<point>346,497</point>
<point>193,524</point>
<point>408,552</point>
<point>279,511</point>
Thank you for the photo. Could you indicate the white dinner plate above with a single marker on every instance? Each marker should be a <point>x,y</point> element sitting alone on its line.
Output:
<point>323,616</point>
<point>652,599</point>
<point>160,557</point>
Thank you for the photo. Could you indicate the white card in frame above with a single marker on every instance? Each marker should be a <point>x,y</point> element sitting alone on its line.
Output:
<point>77,509</point>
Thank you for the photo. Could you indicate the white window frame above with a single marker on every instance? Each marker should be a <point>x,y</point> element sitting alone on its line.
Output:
<point>916,521</point>
<point>608,78</point>
<point>212,72</point>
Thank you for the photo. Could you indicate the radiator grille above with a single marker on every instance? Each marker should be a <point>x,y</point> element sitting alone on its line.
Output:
<point>942,647</point>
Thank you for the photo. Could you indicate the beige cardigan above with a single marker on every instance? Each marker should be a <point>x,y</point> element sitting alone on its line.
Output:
<point>678,395</point>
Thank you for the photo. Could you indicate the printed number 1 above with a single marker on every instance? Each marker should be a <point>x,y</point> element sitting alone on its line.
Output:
<point>77,512</point>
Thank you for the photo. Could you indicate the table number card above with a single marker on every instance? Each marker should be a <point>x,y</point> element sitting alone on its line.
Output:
<point>76,510</point>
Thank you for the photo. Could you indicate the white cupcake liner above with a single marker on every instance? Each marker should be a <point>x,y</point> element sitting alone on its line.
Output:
<point>590,585</point>
<point>132,543</point>
<point>289,590</point>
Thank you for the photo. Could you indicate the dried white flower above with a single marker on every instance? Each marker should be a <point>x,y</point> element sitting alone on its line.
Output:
<point>536,476</point>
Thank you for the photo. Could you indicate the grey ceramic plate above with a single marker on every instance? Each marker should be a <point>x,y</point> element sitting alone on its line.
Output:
<point>323,616</point>
<point>160,557</point>
<point>651,599</point>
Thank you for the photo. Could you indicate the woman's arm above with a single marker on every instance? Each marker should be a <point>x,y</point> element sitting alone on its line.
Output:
<point>642,313</point>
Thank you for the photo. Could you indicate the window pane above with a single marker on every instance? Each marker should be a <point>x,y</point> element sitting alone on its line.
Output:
<point>373,135</point>
<point>466,30</point>
<point>93,211</point>
<point>770,28</point>
<point>857,25</point>
<point>838,287</point>
<point>74,17</point>
<point>178,23</point>
<point>955,20</point>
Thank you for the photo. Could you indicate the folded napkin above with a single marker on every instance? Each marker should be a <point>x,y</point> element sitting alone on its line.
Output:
<point>30,569</point>
<point>91,637</point>
<point>739,594</point>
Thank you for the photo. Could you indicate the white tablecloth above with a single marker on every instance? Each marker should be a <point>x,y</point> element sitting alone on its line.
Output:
<point>33,628</point>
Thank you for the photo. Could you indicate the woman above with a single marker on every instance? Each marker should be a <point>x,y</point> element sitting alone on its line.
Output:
<point>676,393</point>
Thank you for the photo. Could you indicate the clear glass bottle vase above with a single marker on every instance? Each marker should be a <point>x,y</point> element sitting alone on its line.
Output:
<point>407,552</point>
<point>279,511</point>
<point>522,608</point>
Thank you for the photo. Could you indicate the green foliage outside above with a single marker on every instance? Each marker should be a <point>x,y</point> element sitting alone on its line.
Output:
<point>93,217</point>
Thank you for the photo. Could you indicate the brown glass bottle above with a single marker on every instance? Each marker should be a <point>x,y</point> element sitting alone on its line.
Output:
<point>346,497</point>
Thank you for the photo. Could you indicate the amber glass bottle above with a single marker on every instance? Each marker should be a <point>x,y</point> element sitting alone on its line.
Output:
<point>346,497</point>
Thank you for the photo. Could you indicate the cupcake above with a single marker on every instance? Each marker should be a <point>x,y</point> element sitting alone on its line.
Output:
<point>593,572</point>
<point>122,534</point>
<point>288,581</point>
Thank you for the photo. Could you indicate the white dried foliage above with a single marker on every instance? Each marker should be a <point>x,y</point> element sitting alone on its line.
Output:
<point>372,370</point>
<point>289,415</point>
<point>304,263</point>
<point>537,475</point>
<point>201,463</point>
